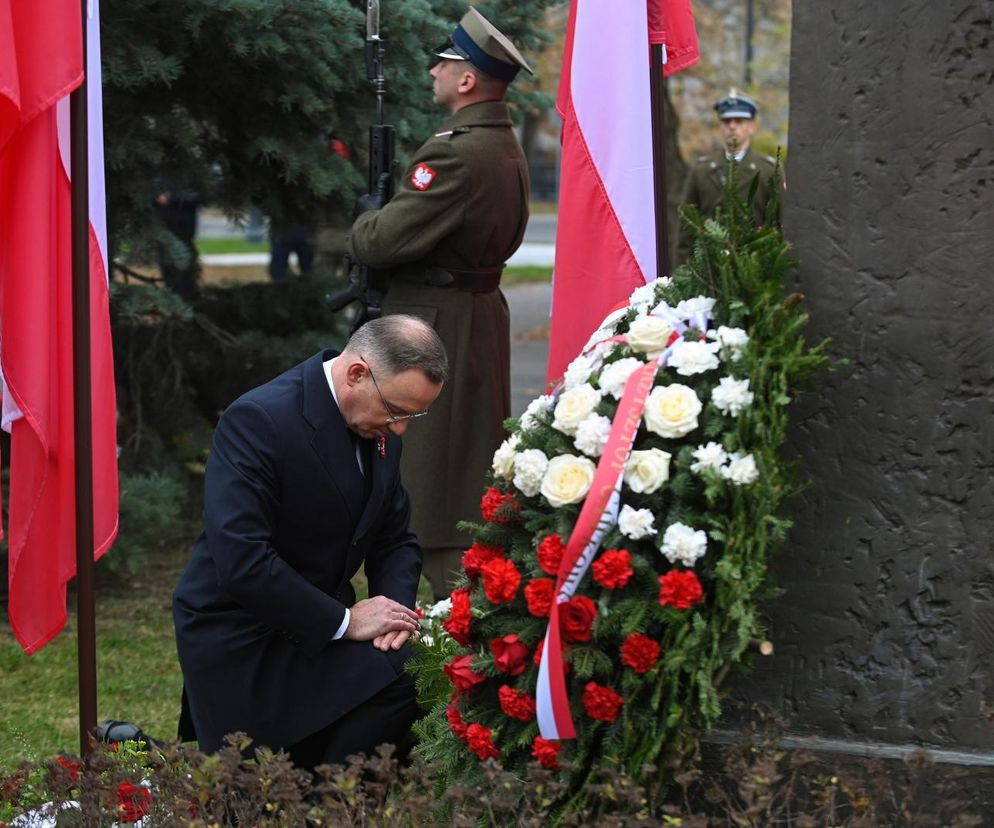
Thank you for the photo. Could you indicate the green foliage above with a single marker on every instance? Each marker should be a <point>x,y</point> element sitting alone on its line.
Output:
<point>150,505</point>
<point>179,364</point>
<point>742,269</point>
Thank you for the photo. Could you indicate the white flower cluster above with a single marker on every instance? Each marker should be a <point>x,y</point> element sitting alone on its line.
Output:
<point>681,338</point>
<point>737,468</point>
<point>683,544</point>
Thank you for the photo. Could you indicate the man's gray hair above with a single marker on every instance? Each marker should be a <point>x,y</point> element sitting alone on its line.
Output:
<point>398,343</point>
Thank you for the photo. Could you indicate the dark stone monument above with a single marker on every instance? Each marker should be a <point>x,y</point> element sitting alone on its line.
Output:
<point>885,634</point>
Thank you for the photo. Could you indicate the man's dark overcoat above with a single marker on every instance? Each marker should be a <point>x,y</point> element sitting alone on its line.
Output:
<point>461,208</point>
<point>705,188</point>
<point>286,526</point>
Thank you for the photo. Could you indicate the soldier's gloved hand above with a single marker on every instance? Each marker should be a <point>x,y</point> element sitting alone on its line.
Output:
<point>367,202</point>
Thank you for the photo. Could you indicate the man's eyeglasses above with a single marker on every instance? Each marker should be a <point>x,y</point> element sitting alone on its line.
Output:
<point>391,417</point>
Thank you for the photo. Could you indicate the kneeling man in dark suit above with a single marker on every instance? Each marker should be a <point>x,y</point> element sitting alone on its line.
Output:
<point>302,488</point>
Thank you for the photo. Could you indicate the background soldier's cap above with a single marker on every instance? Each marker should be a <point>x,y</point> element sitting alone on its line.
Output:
<point>477,40</point>
<point>736,105</point>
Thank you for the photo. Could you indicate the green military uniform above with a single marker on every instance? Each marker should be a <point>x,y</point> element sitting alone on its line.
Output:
<point>705,188</point>
<point>459,214</point>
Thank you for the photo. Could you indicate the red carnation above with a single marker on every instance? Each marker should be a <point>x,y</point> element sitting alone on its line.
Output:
<point>510,654</point>
<point>576,618</point>
<point>550,553</point>
<point>461,673</point>
<point>516,704</point>
<point>133,802</point>
<point>71,767</point>
<point>457,624</point>
<point>476,556</point>
<point>455,721</point>
<point>537,658</point>
<point>480,741</point>
<point>639,652</point>
<point>613,569</point>
<point>498,507</point>
<point>500,580</point>
<point>546,752</point>
<point>680,590</point>
<point>601,702</point>
<point>538,596</point>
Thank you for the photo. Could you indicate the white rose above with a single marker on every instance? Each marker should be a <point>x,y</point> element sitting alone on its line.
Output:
<point>567,479</point>
<point>503,465</point>
<point>529,469</point>
<point>683,544</point>
<point>614,376</point>
<point>698,306</point>
<point>592,434</point>
<point>535,411</point>
<point>440,610</point>
<point>731,340</point>
<point>635,523</point>
<point>740,470</point>
<point>671,410</point>
<point>579,371</point>
<point>649,334</point>
<point>732,395</point>
<point>574,406</point>
<point>689,358</point>
<point>647,470</point>
<point>711,456</point>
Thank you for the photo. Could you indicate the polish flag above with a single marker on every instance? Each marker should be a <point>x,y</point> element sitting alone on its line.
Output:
<point>606,236</point>
<point>41,62</point>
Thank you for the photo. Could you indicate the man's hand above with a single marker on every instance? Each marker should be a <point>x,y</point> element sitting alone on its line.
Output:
<point>381,620</point>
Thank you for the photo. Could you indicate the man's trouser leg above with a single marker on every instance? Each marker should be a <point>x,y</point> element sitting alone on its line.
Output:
<point>441,568</point>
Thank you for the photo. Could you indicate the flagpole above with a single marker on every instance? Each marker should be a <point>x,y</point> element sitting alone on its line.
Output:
<point>661,202</point>
<point>86,639</point>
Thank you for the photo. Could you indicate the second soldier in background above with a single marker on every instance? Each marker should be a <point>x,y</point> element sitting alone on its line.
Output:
<point>459,214</point>
<point>705,184</point>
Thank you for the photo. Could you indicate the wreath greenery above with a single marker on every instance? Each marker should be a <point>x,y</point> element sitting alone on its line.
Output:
<point>674,595</point>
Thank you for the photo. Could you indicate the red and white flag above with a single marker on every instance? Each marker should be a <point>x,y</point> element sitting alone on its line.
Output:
<point>41,62</point>
<point>605,241</point>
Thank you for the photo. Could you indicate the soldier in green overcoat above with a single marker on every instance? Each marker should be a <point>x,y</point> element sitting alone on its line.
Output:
<point>458,215</point>
<point>705,184</point>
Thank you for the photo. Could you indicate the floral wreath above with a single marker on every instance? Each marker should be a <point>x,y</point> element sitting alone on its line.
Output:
<point>627,529</point>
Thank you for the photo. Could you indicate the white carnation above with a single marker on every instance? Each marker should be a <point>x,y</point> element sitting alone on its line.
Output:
<point>712,456</point>
<point>592,434</point>
<point>535,411</point>
<point>614,376</point>
<point>605,329</point>
<point>698,306</point>
<point>579,371</point>
<point>529,469</point>
<point>741,470</point>
<point>635,523</point>
<point>574,406</point>
<point>732,395</point>
<point>643,297</point>
<point>694,357</point>
<point>683,544</point>
<point>731,340</point>
<point>440,610</point>
<point>503,465</point>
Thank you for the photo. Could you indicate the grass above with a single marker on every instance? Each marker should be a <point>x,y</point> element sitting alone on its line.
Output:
<point>138,675</point>
<point>231,245</point>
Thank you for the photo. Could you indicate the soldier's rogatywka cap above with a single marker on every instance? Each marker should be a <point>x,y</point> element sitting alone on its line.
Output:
<point>736,105</point>
<point>477,40</point>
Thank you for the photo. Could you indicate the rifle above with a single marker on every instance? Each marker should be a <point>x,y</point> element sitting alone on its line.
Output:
<point>366,285</point>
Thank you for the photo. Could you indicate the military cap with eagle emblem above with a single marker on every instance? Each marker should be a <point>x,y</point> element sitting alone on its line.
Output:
<point>736,105</point>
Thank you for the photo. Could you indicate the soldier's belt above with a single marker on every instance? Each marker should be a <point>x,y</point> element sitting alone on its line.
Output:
<point>460,280</point>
